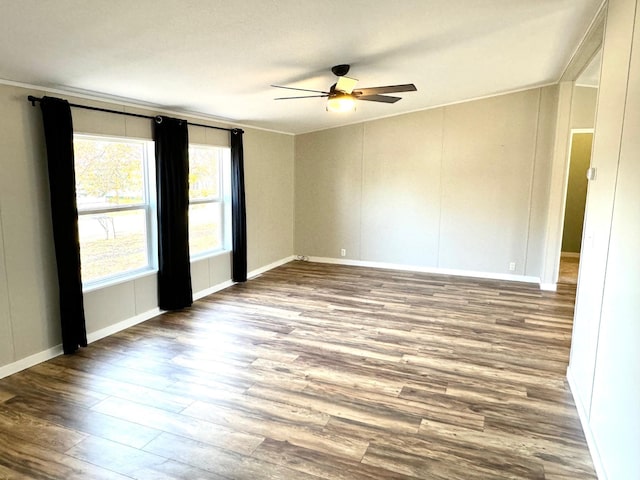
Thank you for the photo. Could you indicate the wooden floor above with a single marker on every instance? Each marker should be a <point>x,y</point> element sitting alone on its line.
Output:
<point>568,272</point>
<point>313,372</point>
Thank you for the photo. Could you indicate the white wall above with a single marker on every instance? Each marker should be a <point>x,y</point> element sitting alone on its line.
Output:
<point>604,370</point>
<point>29,321</point>
<point>459,188</point>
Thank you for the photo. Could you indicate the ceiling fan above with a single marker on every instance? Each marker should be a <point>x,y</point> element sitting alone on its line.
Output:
<point>343,94</point>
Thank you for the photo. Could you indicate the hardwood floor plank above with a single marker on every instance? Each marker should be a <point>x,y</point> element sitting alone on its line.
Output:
<point>83,420</point>
<point>114,456</point>
<point>37,462</point>
<point>321,465</point>
<point>172,470</point>
<point>5,395</point>
<point>197,429</point>
<point>108,370</point>
<point>125,390</point>
<point>222,463</point>
<point>343,407</point>
<point>334,375</point>
<point>10,474</point>
<point>279,429</point>
<point>507,443</point>
<point>30,382</point>
<point>38,431</point>
<point>429,459</point>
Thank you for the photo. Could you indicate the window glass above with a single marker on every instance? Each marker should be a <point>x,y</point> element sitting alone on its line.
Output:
<point>204,173</point>
<point>112,243</point>
<point>109,173</point>
<point>205,227</point>
<point>114,212</point>
<point>208,187</point>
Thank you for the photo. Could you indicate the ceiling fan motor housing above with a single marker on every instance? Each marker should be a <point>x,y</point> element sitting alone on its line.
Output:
<point>340,70</point>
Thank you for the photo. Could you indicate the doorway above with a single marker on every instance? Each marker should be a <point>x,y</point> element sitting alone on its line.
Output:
<point>579,161</point>
<point>584,98</point>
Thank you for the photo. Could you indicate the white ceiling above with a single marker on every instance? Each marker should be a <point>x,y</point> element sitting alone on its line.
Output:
<point>219,58</point>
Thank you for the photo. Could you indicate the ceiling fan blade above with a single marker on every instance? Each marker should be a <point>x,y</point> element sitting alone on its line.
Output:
<point>379,98</point>
<point>346,84</point>
<point>300,89</point>
<point>409,87</point>
<point>306,96</point>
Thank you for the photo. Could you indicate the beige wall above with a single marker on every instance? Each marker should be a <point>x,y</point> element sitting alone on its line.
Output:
<point>451,188</point>
<point>29,313</point>
<point>583,107</point>
<point>29,323</point>
<point>401,197</point>
<point>328,177</point>
<point>269,196</point>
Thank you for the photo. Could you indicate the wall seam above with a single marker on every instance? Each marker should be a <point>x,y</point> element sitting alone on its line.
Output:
<point>441,185</point>
<point>6,278</point>
<point>362,156</point>
<point>536,157</point>
<point>293,197</point>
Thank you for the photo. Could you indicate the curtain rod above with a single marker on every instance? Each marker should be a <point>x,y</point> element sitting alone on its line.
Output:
<point>33,101</point>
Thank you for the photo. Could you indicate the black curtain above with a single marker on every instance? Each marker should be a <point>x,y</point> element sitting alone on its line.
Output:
<point>172,179</point>
<point>58,132</point>
<point>238,209</point>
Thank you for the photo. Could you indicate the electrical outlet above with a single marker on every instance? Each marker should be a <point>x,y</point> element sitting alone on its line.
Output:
<point>343,252</point>
<point>512,266</point>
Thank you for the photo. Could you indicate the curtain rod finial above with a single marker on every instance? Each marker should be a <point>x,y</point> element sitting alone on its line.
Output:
<point>33,100</point>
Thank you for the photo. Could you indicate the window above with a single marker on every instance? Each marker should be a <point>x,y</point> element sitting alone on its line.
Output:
<point>115,217</point>
<point>208,202</point>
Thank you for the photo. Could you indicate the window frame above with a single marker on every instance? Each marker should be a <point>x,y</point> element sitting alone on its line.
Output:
<point>148,205</point>
<point>223,198</point>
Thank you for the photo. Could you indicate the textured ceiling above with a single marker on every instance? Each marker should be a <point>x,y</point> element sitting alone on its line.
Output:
<point>219,58</point>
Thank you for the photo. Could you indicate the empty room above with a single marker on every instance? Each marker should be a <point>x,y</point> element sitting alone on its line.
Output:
<point>320,240</point>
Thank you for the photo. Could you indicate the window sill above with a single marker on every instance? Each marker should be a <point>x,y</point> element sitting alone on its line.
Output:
<point>146,273</point>
<point>118,280</point>
<point>208,255</point>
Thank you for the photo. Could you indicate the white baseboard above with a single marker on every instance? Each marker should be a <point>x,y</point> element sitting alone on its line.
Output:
<point>250,275</point>
<point>210,290</point>
<point>122,325</point>
<point>549,287</point>
<point>586,428</point>
<point>271,266</point>
<point>436,270</point>
<point>53,352</point>
<point>30,361</point>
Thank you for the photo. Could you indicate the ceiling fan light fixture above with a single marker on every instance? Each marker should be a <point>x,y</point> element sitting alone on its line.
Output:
<point>341,102</point>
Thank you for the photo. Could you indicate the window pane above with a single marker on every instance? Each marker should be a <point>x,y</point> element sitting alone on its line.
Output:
<point>108,173</point>
<point>204,178</point>
<point>112,243</point>
<point>205,228</point>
